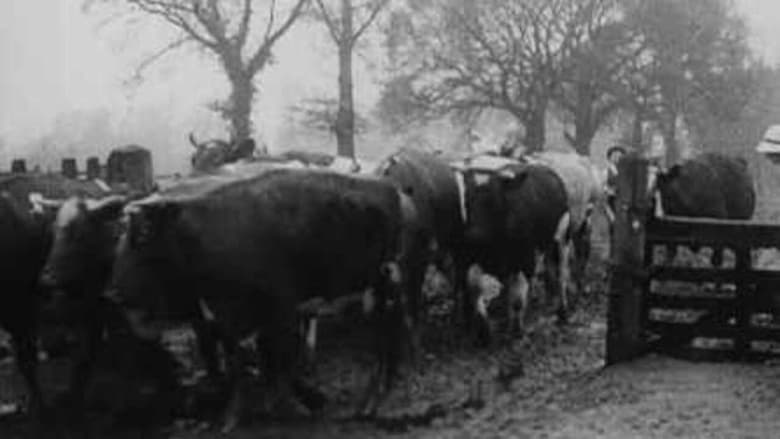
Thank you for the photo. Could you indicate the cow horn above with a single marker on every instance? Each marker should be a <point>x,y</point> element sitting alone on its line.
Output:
<point>38,199</point>
<point>194,142</point>
<point>103,202</point>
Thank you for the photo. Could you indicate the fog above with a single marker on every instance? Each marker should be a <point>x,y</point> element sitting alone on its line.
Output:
<point>65,89</point>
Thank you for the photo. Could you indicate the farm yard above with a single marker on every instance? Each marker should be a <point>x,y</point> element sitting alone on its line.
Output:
<point>389,219</point>
<point>551,384</point>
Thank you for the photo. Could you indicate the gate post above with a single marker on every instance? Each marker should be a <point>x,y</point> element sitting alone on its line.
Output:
<point>624,313</point>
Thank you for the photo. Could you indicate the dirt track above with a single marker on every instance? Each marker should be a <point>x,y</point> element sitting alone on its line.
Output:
<point>568,394</point>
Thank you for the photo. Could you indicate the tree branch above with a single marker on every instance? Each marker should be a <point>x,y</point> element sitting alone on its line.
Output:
<point>371,17</point>
<point>334,30</point>
<point>243,26</point>
<point>264,51</point>
<point>151,59</point>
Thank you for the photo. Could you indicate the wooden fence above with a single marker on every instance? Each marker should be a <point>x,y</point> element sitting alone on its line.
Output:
<point>127,169</point>
<point>696,310</point>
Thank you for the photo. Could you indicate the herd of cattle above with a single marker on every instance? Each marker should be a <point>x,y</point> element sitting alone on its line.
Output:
<point>239,248</point>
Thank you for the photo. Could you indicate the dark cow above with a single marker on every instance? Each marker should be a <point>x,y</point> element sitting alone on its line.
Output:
<point>710,185</point>
<point>512,215</point>
<point>432,185</point>
<point>25,238</point>
<point>212,154</point>
<point>247,252</point>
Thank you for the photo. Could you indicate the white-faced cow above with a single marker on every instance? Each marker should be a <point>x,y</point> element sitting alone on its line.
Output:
<point>25,239</point>
<point>251,250</point>
<point>513,212</point>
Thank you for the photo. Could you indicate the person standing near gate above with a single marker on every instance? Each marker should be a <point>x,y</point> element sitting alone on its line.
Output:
<point>614,154</point>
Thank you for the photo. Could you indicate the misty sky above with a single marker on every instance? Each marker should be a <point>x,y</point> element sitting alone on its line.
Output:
<point>53,59</point>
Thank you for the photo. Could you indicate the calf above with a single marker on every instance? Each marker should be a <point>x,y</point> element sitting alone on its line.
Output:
<point>512,215</point>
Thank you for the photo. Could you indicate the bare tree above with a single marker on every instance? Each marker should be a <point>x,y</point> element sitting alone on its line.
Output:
<point>503,54</point>
<point>227,30</point>
<point>345,30</point>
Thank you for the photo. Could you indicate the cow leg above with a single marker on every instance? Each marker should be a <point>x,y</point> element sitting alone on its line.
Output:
<point>518,287</point>
<point>558,273</point>
<point>391,324</point>
<point>283,345</point>
<point>309,326</point>
<point>24,342</point>
<point>414,315</point>
<point>235,405</point>
<point>581,254</point>
<point>84,360</point>
<point>207,336</point>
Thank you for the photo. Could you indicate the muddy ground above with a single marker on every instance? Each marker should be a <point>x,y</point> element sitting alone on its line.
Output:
<point>560,389</point>
<point>551,384</point>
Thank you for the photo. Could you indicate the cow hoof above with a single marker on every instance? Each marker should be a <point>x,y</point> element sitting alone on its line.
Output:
<point>291,408</point>
<point>231,422</point>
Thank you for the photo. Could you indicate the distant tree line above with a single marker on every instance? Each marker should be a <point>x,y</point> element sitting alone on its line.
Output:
<point>587,61</point>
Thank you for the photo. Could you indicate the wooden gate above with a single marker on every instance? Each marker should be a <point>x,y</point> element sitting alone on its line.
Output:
<point>694,308</point>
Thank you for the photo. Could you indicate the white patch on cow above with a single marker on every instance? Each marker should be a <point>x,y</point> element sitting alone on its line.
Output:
<point>102,185</point>
<point>311,334</point>
<point>517,298</point>
<point>68,212</point>
<point>659,208</point>
<point>40,203</point>
<point>488,288</point>
<point>481,179</point>
<point>461,183</point>
<point>369,301</point>
<point>208,315</point>
<point>564,225</point>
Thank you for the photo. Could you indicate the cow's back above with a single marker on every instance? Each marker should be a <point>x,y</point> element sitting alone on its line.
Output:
<point>735,183</point>
<point>579,178</point>
<point>432,185</point>
<point>311,232</point>
<point>710,185</point>
<point>537,204</point>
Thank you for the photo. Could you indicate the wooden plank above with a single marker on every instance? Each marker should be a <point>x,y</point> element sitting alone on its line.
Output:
<point>625,339</point>
<point>711,303</point>
<point>677,332</point>
<point>711,231</point>
<point>692,274</point>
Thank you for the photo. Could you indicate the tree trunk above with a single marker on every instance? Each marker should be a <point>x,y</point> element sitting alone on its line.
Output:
<point>535,131</point>
<point>239,110</point>
<point>345,120</point>
<point>670,140</point>
<point>583,120</point>
<point>636,130</point>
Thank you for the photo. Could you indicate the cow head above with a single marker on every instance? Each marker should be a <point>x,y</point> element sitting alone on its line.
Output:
<point>85,234</point>
<point>212,154</point>
<point>485,204</point>
<point>396,170</point>
<point>139,282</point>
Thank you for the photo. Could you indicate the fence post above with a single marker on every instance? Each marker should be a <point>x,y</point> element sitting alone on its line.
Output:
<point>130,167</point>
<point>745,298</point>
<point>93,168</point>
<point>70,168</point>
<point>18,166</point>
<point>624,313</point>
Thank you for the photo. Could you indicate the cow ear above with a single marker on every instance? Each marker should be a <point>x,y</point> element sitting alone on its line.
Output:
<point>672,173</point>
